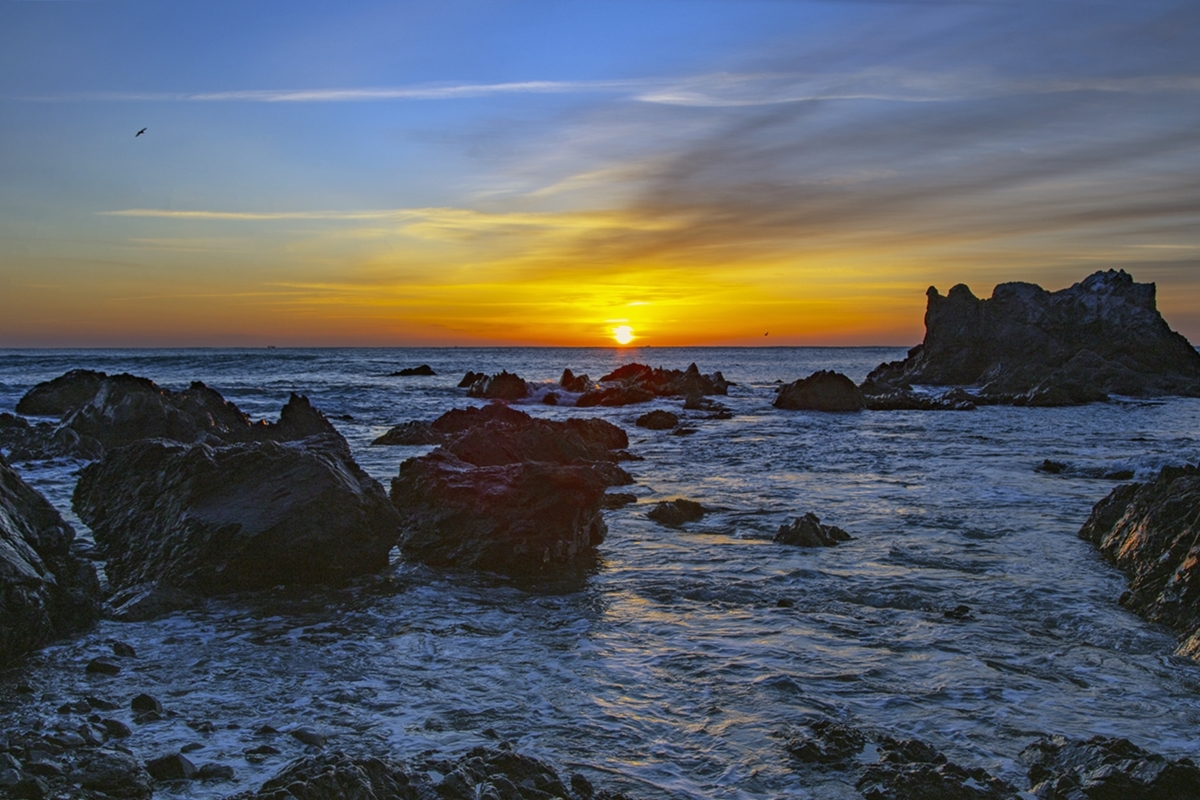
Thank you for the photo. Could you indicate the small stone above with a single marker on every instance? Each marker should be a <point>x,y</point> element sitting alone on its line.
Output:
<point>91,735</point>
<point>144,704</point>
<point>103,665</point>
<point>215,772</point>
<point>171,767</point>
<point>658,420</point>
<point>123,650</point>
<point>309,735</point>
<point>116,728</point>
<point>100,704</point>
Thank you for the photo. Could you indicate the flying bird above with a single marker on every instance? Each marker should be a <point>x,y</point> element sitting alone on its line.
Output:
<point>139,133</point>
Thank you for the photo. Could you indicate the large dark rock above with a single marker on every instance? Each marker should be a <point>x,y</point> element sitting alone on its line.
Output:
<point>808,531</point>
<point>210,520</point>
<point>46,591</point>
<point>674,513</point>
<point>1104,767</point>
<point>1152,532</point>
<point>638,383</point>
<point>822,391</point>
<point>508,493</point>
<point>503,386</point>
<point>1028,346</point>
<point>100,412</point>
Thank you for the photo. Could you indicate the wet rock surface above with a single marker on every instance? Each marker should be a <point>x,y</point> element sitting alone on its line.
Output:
<point>46,590</point>
<point>808,531</point>
<point>1152,532</point>
<point>674,513</point>
<point>639,383</point>
<point>1106,767</point>
<point>658,420</point>
<point>904,400</point>
<point>508,493</point>
<point>210,520</point>
<point>1028,346</point>
<point>822,391</point>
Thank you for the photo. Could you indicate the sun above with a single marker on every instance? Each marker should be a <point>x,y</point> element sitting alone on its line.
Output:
<point>623,334</point>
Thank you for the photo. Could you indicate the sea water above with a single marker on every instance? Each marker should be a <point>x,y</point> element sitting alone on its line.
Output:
<point>680,667</point>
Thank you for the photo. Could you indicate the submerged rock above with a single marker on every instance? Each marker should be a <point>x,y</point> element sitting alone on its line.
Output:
<point>1152,532</point>
<point>210,520</point>
<point>1027,346</point>
<point>807,531</point>
<point>1106,767</point>
<point>674,513</point>
<point>822,391</point>
<point>508,493</point>
<point>46,591</point>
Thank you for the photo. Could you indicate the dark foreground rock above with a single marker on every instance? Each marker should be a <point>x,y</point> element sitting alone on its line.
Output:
<point>1027,346</point>
<point>807,531</point>
<point>822,391</point>
<point>99,412</point>
<point>674,513</point>
<point>46,591</point>
<point>497,773</point>
<point>1152,532</point>
<point>638,383</point>
<point>210,520</point>
<point>1105,767</point>
<point>508,493</point>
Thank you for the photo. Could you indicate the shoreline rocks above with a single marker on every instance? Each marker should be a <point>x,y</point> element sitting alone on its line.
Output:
<point>1151,531</point>
<point>639,383</point>
<point>1028,346</point>
<point>46,590</point>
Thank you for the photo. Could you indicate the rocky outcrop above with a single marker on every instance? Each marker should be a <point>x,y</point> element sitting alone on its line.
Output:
<point>1027,346</point>
<point>674,513</point>
<point>504,386</point>
<point>99,412</point>
<point>822,391</point>
<point>807,531</point>
<point>1152,532</point>
<point>638,383</point>
<point>1106,767</point>
<point>210,520</point>
<point>509,494</point>
<point>408,372</point>
<point>46,591</point>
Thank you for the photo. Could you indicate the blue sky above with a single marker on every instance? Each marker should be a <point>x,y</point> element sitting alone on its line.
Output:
<point>527,172</point>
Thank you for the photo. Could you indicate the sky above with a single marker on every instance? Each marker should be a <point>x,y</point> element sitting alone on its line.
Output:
<point>703,172</point>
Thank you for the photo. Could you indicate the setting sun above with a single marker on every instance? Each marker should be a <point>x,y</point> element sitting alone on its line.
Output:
<point>623,334</point>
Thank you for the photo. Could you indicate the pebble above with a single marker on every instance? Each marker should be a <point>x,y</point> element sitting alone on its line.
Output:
<point>102,665</point>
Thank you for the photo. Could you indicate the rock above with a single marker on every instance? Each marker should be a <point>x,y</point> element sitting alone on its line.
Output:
<point>9,777</point>
<point>912,770</point>
<point>822,391</point>
<point>171,767</point>
<point>1051,467</point>
<point>618,500</point>
<point>1149,530</point>
<point>60,396</point>
<point>116,728</point>
<point>807,531</point>
<point>103,666</point>
<point>1106,767</point>
<point>469,379</point>
<point>638,383</point>
<point>906,400</point>
<point>674,513</point>
<point>145,704</point>
<point>424,369</point>
<point>958,613</point>
<point>114,774</point>
<point>123,650</point>
<point>214,772</point>
<point>30,788</point>
<point>100,704</point>
<point>1027,346</point>
<point>658,420</point>
<point>145,601</point>
<point>508,493</point>
<point>48,591</point>
<point>211,520</point>
<point>411,433</point>
<point>550,399</point>
<point>574,383</point>
<point>504,386</point>
<point>308,735</point>
<point>826,742</point>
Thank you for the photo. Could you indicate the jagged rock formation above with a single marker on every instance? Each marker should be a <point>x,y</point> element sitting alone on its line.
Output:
<point>209,520</point>
<point>46,591</point>
<point>1106,767</point>
<point>638,383</point>
<point>503,386</point>
<point>1028,346</point>
<point>508,493</point>
<point>1152,532</point>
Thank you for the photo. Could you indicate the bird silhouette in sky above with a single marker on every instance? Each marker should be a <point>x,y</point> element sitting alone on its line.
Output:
<point>139,133</point>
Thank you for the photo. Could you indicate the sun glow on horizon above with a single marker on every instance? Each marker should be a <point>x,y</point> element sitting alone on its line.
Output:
<point>623,334</point>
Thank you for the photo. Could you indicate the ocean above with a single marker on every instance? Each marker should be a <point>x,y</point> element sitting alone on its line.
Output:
<point>681,665</point>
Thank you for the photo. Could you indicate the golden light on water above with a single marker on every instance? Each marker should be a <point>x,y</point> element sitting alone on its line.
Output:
<point>623,334</point>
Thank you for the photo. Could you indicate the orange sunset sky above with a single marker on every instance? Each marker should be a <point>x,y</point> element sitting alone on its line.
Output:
<point>542,173</point>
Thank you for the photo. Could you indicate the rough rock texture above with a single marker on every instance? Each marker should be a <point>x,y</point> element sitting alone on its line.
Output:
<point>674,513</point>
<point>1152,532</point>
<point>508,493</point>
<point>953,400</point>
<point>504,386</point>
<point>807,531</point>
<point>822,391</point>
<point>99,412</point>
<point>1028,346</point>
<point>45,590</point>
<point>638,383</point>
<point>211,520</point>
<point>1104,767</point>
<point>658,420</point>
<point>912,770</point>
